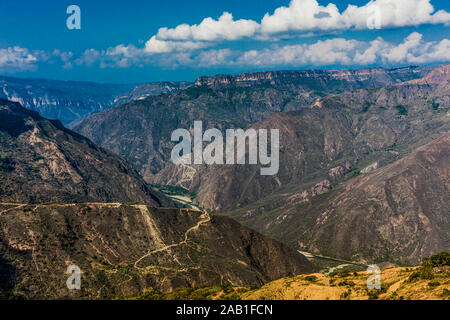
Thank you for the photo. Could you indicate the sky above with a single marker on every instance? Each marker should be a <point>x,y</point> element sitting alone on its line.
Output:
<point>136,41</point>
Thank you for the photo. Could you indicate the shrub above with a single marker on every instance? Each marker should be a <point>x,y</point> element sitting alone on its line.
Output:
<point>445,292</point>
<point>311,278</point>
<point>373,294</point>
<point>434,284</point>
<point>343,273</point>
<point>437,260</point>
<point>402,110</point>
<point>6,164</point>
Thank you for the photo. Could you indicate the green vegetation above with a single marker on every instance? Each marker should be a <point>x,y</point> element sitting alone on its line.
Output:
<point>311,278</point>
<point>175,190</point>
<point>6,164</point>
<point>402,110</point>
<point>426,272</point>
<point>438,260</point>
<point>223,292</point>
<point>196,91</point>
<point>346,283</point>
<point>435,105</point>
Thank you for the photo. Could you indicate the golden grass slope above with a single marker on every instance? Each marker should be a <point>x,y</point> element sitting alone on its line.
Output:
<point>396,284</point>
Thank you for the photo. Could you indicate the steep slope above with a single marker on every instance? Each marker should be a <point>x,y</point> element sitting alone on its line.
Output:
<point>397,213</point>
<point>124,249</point>
<point>140,131</point>
<point>320,143</point>
<point>42,161</point>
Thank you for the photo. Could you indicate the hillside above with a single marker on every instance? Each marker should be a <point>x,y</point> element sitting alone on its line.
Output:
<point>400,212</point>
<point>145,90</point>
<point>125,249</point>
<point>429,281</point>
<point>320,143</point>
<point>41,161</point>
<point>72,101</point>
<point>396,285</point>
<point>140,131</point>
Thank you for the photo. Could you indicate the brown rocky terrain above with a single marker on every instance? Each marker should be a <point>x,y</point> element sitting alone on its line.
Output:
<point>354,131</point>
<point>41,161</point>
<point>140,131</point>
<point>322,145</point>
<point>397,213</point>
<point>124,249</point>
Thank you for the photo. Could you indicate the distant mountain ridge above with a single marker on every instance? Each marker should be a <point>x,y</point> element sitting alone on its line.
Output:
<point>145,90</point>
<point>375,76</point>
<point>72,101</point>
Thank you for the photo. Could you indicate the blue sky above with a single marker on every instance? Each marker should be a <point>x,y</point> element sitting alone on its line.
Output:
<point>122,41</point>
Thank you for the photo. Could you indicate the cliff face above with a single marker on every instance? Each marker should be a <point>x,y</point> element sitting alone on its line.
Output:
<point>42,161</point>
<point>124,249</point>
<point>324,79</point>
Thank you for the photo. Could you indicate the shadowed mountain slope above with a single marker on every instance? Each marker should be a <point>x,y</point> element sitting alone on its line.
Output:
<point>41,161</point>
<point>124,249</point>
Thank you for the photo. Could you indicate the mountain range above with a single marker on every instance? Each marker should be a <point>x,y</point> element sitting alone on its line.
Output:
<point>352,123</point>
<point>72,101</point>
<point>65,201</point>
<point>364,178</point>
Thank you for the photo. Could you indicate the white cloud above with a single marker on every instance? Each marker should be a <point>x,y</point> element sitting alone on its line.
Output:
<point>14,59</point>
<point>225,28</point>
<point>303,17</point>
<point>337,51</point>
<point>308,15</point>
<point>89,57</point>
<point>413,50</point>
<point>155,45</point>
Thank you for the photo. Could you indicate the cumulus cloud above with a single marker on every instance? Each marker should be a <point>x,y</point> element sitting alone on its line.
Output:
<point>304,17</point>
<point>155,45</point>
<point>413,50</point>
<point>17,59</point>
<point>308,15</point>
<point>301,18</point>
<point>338,51</point>
<point>225,28</point>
